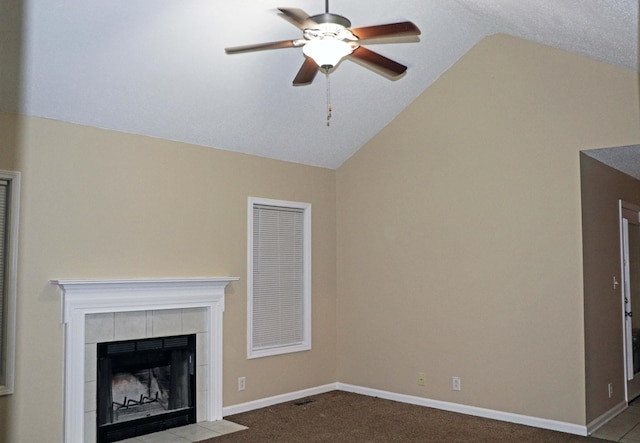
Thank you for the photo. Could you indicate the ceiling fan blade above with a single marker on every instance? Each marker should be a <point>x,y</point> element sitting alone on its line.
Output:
<point>379,62</point>
<point>298,17</point>
<point>388,30</point>
<point>263,46</point>
<point>307,72</point>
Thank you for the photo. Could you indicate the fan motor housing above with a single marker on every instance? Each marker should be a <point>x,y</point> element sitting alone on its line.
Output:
<point>328,18</point>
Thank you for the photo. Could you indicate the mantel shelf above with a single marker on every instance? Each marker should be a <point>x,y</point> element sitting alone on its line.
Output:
<point>142,282</point>
<point>117,295</point>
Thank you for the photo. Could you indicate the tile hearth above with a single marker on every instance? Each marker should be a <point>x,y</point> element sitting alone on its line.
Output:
<point>191,433</point>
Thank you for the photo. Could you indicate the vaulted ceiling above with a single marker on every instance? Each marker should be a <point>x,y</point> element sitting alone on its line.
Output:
<point>158,67</point>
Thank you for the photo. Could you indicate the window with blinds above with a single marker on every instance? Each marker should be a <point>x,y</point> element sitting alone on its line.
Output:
<point>9,188</point>
<point>279,295</point>
<point>4,212</point>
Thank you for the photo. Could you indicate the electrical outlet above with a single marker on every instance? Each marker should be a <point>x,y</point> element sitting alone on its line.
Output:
<point>456,383</point>
<point>421,378</point>
<point>610,387</point>
<point>242,383</point>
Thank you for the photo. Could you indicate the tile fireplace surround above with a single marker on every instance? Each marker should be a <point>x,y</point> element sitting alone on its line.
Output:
<point>108,310</point>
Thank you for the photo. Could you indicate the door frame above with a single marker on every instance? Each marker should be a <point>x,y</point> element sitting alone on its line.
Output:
<point>628,213</point>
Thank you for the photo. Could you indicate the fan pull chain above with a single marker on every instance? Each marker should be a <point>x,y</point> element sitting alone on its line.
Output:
<point>329,109</point>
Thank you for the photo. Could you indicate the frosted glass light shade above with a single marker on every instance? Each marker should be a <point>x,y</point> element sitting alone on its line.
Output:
<point>327,52</point>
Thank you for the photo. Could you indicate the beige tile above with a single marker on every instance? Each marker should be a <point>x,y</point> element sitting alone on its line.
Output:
<point>202,348</point>
<point>202,380</point>
<point>90,362</point>
<point>193,432</point>
<point>629,414</point>
<point>98,328</point>
<point>634,434</point>
<point>130,325</point>
<point>617,428</point>
<point>90,395</point>
<point>167,322</point>
<point>149,324</point>
<point>202,408</point>
<point>89,426</point>
<point>606,437</point>
<point>202,386</point>
<point>162,437</point>
<point>194,320</point>
<point>223,426</point>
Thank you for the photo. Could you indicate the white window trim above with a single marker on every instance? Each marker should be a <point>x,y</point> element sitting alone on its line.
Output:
<point>306,343</point>
<point>11,282</point>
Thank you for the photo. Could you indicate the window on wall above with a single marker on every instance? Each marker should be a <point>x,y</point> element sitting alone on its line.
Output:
<point>279,277</point>
<point>9,197</point>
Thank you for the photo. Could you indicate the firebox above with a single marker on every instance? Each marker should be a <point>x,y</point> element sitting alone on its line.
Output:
<point>144,386</point>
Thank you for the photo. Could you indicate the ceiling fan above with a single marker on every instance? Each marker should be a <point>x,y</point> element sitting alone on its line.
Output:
<point>328,38</point>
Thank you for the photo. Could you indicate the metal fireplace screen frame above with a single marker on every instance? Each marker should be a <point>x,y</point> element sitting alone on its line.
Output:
<point>166,362</point>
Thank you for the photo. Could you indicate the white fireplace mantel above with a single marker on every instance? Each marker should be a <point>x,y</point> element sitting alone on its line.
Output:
<point>83,297</point>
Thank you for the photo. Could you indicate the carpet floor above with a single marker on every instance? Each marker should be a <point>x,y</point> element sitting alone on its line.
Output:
<point>346,417</point>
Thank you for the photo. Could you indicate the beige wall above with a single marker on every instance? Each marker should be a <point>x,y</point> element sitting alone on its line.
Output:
<point>459,232</point>
<point>602,188</point>
<point>9,140</point>
<point>99,204</point>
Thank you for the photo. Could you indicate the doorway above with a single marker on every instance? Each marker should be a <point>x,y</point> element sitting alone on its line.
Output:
<point>630,262</point>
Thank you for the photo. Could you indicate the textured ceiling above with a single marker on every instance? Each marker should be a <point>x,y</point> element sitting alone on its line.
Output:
<point>158,67</point>
<point>623,158</point>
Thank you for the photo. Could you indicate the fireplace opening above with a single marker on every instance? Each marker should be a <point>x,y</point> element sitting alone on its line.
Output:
<point>144,386</point>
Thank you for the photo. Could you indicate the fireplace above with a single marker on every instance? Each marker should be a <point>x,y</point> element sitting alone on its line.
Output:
<point>145,386</point>
<point>107,311</point>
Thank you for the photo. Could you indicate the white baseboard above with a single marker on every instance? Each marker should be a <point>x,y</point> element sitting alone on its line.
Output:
<point>270,401</point>
<point>594,425</point>
<point>536,422</point>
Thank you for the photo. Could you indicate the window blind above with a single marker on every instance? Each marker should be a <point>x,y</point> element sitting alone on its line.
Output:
<point>9,198</point>
<point>278,277</point>
<point>4,217</point>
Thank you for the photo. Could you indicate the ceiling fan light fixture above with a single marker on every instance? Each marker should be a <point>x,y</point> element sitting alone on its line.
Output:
<point>327,52</point>
<point>328,38</point>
